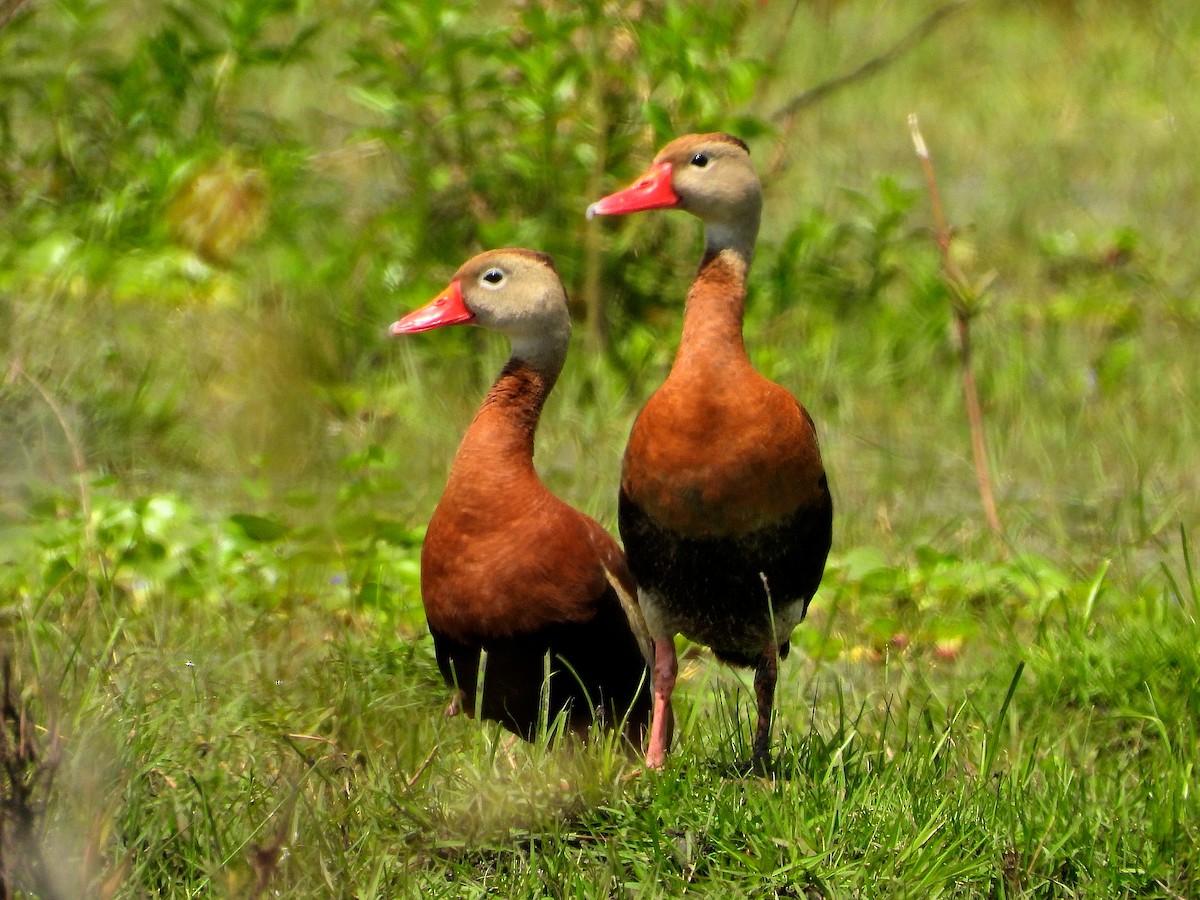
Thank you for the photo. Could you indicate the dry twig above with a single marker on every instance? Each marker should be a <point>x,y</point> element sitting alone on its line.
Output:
<point>876,64</point>
<point>965,298</point>
<point>10,8</point>
<point>17,370</point>
<point>786,115</point>
<point>26,779</point>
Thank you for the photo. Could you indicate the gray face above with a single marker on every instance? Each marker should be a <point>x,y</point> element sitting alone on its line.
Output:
<point>519,294</point>
<point>715,180</point>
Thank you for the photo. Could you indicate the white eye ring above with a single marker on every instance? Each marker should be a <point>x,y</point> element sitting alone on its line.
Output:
<point>493,279</point>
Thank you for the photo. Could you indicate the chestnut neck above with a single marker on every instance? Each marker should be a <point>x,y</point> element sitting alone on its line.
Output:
<point>712,317</point>
<point>504,428</point>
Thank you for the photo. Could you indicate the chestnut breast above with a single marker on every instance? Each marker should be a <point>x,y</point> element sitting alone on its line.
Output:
<point>504,557</point>
<point>722,454</point>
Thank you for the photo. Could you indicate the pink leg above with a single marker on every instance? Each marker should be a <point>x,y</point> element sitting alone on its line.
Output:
<point>764,691</point>
<point>666,666</point>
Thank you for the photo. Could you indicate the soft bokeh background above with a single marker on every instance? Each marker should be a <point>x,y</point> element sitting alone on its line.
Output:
<point>212,212</point>
<point>215,466</point>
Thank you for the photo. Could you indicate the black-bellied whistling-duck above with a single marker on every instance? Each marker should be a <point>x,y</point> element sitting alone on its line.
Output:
<point>506,566</point>
<point>725,510</point>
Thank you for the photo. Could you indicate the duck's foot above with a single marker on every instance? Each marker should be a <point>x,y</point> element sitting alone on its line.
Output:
<point>455,707</point>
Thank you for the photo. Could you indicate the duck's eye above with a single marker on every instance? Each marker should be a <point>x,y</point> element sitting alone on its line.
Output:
<point>492,278</point>
<point>700,160</point>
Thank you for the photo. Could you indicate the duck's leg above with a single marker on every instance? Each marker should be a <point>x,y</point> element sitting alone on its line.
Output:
<point>666,666</point>
<point>765,676</point>
<point>459,665</point>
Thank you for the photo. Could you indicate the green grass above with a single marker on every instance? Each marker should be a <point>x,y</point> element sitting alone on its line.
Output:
<point>216,640</point>
<point>944,730</point>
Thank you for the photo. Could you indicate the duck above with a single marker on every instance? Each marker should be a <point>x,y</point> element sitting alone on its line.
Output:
<point>508,568</point>
<point>724,506</point>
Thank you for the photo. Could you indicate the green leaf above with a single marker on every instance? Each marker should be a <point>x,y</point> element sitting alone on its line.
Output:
<point>259,528</point>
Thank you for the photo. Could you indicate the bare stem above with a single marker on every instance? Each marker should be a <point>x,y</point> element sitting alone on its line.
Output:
<point>16,370</point>
<point>785,116</point>
<point>26,780</point>
<point>9,10</point>
<point>963,300</point>
<point>78,461</point>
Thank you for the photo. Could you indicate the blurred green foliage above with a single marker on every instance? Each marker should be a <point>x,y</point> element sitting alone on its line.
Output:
<point>215,470</point>
<point>139,553</point>
<point>209,212</point>
<point>181,178</point>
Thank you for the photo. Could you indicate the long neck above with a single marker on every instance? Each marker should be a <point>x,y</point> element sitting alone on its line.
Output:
<point>737,230</point>
<point>506,423</point>
<point>712,317</point>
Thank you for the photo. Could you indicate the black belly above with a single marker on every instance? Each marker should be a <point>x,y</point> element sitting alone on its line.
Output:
<point>596,673</point>
<point>715,585</point>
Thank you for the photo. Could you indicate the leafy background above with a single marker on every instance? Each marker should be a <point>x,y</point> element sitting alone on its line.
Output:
<point>215,467</point>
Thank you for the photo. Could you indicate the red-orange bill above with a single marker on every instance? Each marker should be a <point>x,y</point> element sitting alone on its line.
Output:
<point>652,191</point>
<point>447,308</point>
